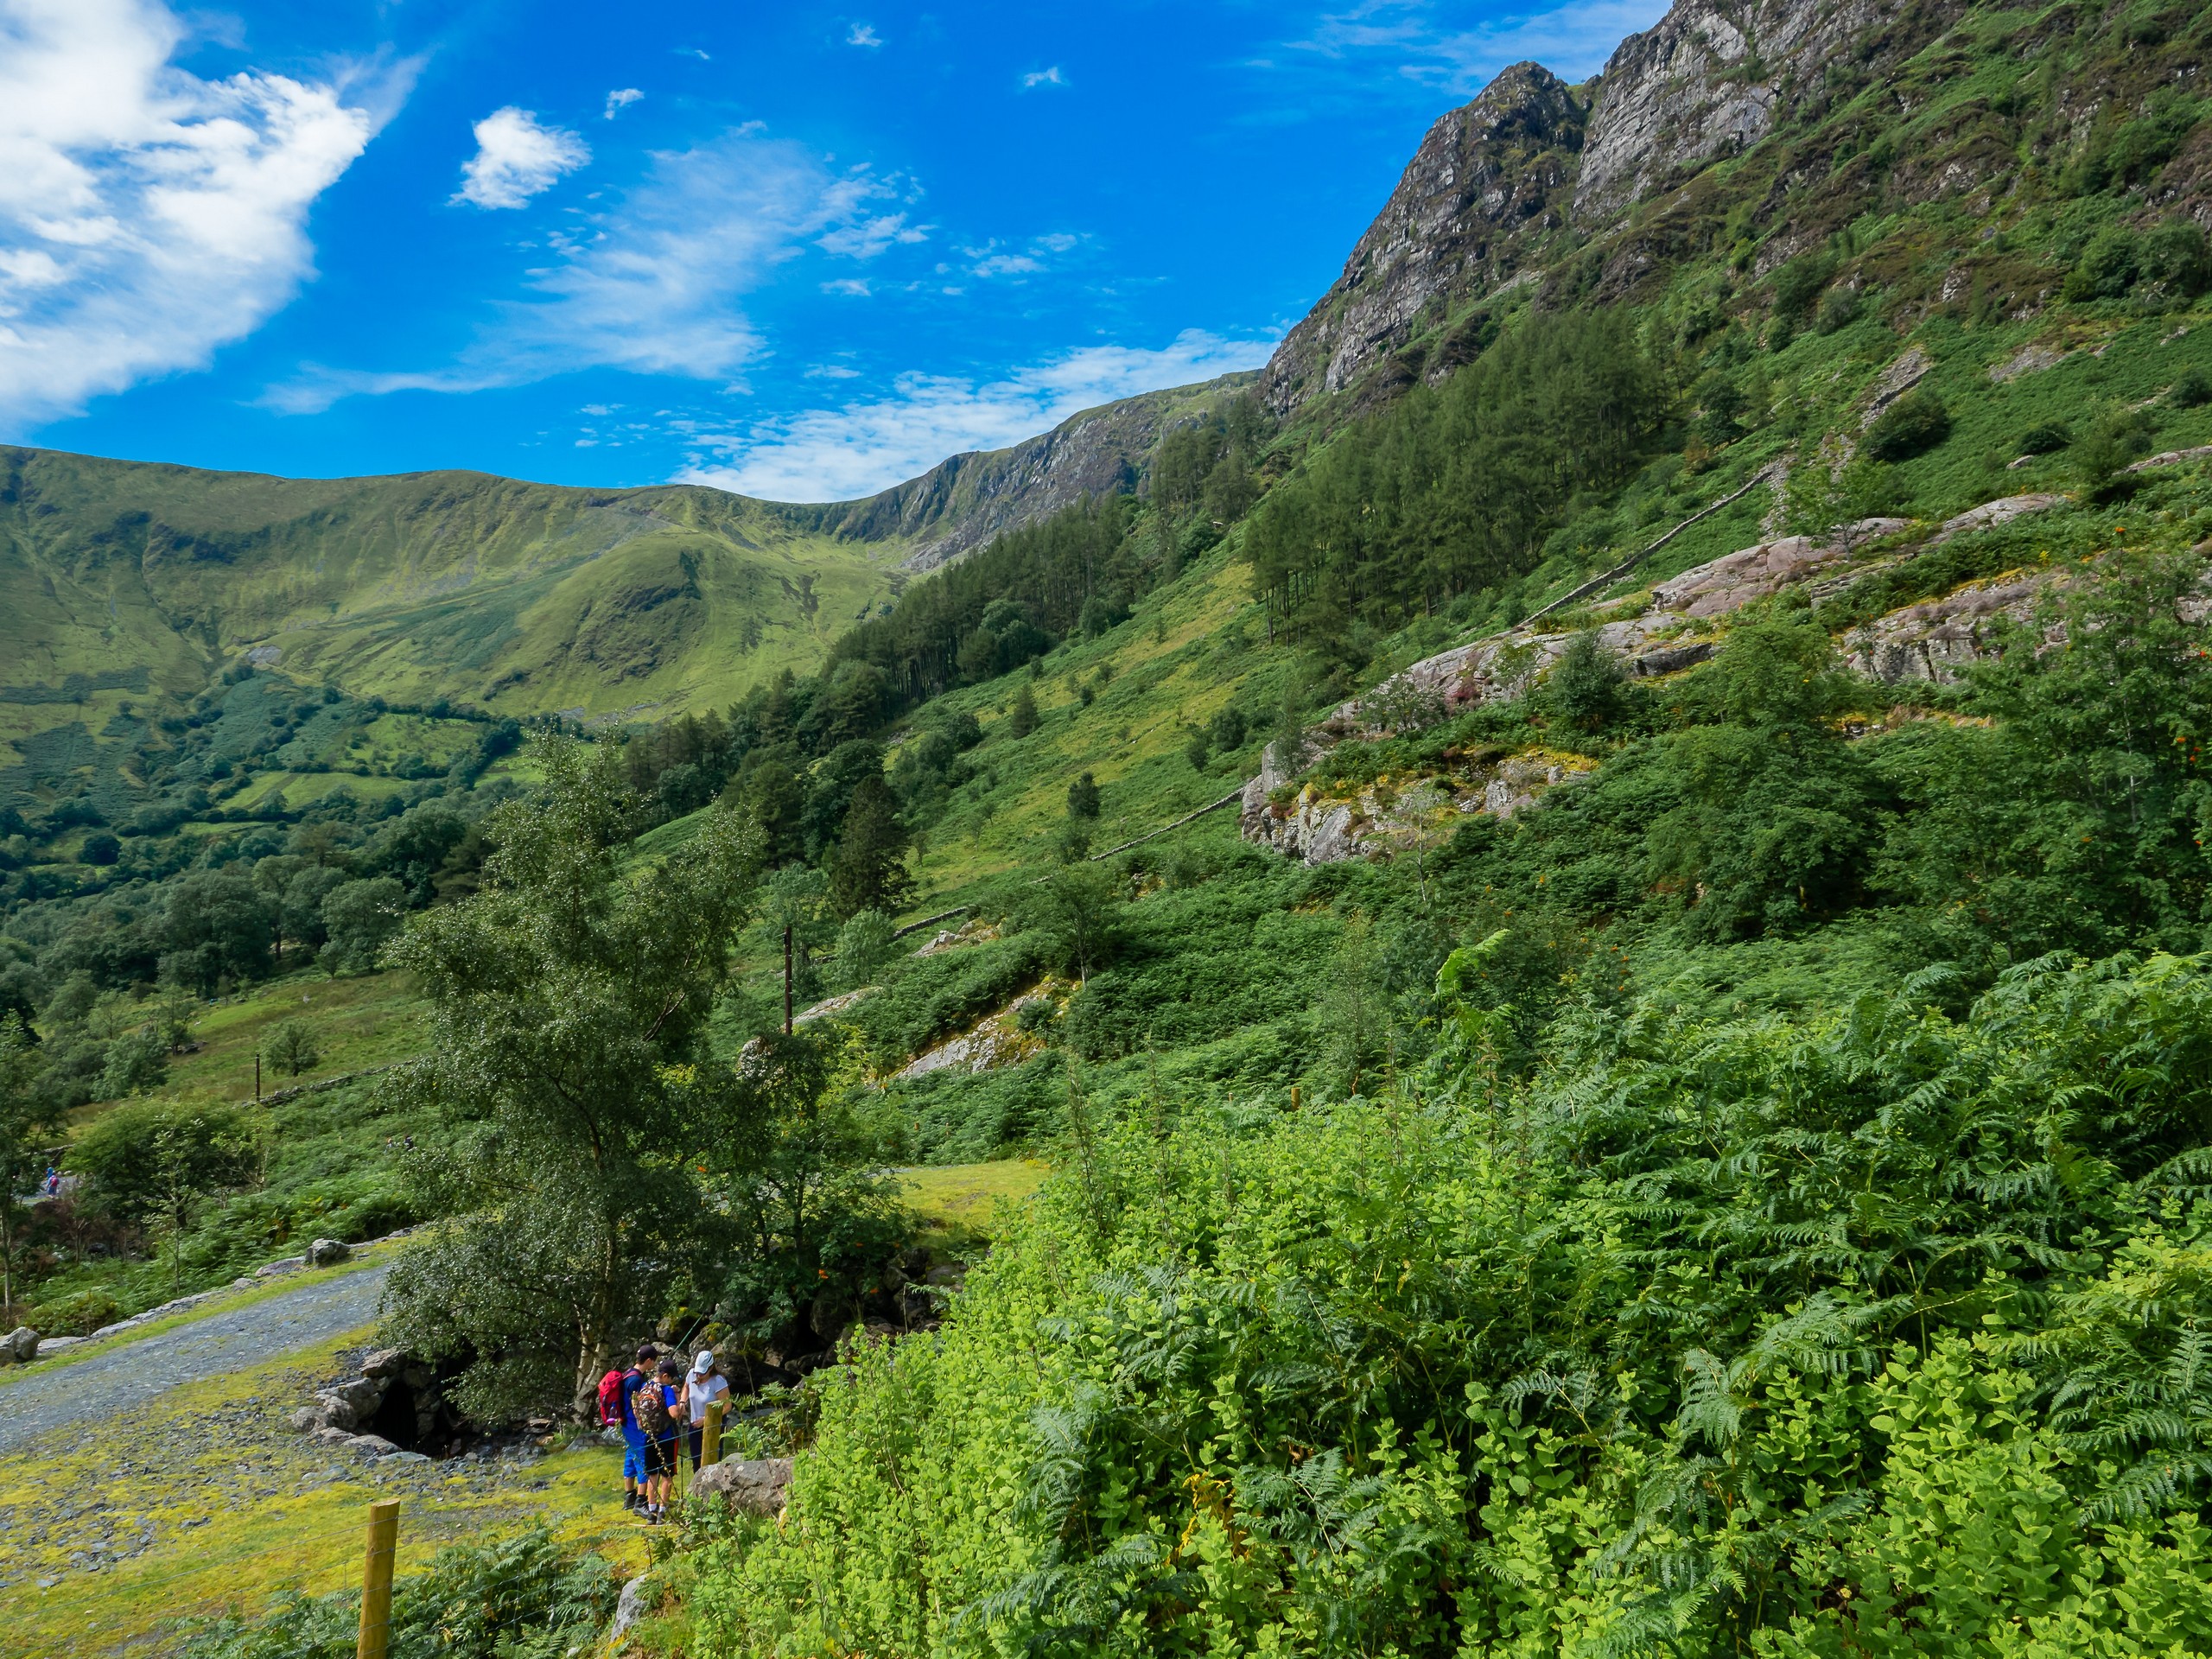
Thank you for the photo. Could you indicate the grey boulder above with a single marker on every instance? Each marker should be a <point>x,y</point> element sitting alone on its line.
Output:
<point>328,1252</point>
<point>751,1485</point>
<point>19,1346</point>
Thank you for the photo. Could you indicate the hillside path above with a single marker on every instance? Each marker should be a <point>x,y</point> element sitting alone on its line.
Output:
<point>39,1399</point>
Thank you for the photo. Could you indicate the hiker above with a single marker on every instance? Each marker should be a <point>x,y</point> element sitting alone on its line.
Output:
<point>53,1182</point>
<point>635,1475</point>
<point>659,1406</point>
<point>701,1389</point>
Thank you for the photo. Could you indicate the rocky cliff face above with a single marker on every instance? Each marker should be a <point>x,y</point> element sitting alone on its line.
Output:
<point>1501,164</point>
<point>961,504</point>
<point>1494,183</point>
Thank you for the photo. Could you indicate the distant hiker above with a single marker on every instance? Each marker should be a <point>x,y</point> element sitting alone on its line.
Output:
<point>53,1182</point>
<point>701,1389</point>
<point>635,1475</point>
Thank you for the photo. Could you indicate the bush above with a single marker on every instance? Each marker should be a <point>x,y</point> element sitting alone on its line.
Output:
<point>76,1314</point>
<point>864,945</point>
<point>521,1599</point>
<point>100,849</point>
<point>2107,269</point>
<point>2174,260</point>
<point>139,1158</point>
<point>2045,440</point>
<point>1916,423</point>
<point>2192,390</point>
<point>1718,1399</point>
<point>1839,310</point>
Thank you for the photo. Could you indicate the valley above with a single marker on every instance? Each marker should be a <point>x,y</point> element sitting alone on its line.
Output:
<point>1535,983</point>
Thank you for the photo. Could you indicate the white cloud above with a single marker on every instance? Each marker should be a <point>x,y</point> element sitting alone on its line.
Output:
<point>828,454</point>
<point>619,100</point>
<point>851,286</point>
<point>1036,78</point>
<point>870,237</point>
<point>863,34</point>
<point>1007,264</point>
<point>693,52</point>
<point>146,216</point>
<point>651,285</point>
<point>1405,38</point>
<point>516,157</point>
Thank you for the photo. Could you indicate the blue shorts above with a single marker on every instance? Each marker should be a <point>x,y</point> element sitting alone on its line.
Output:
<point>634,1464</point>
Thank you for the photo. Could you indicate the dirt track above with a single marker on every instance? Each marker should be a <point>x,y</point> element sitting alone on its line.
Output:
<point>42,1398</point>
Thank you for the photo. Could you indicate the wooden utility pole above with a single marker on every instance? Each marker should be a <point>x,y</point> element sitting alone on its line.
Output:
<point>376,1580</point>
<point>787,979</point>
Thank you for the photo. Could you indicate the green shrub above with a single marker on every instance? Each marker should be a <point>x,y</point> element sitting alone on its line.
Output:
<point>1917,421</point>
<point>76,1314</point>
<point>522,1599</point>
<point>2107,266</point>
<point>2047,439</point>
<point>1623,1358</point>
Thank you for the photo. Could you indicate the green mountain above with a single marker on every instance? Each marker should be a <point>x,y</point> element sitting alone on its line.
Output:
<point>122,582</point>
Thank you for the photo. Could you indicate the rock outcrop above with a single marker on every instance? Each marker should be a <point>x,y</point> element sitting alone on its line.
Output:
<point>750,1486</point>
<point>1500,189</point>
<point>963,503</point>
<point>1711,79</point>
<point>1679,628</point>
<point>1502,162</point>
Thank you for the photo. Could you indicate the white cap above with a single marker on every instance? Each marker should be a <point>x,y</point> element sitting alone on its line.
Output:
<point>704,1364</point>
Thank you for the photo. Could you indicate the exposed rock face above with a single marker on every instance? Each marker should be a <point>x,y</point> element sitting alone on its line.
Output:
<point>1711,78</point>
<point>1734,580</point>
<point>1934,640</point>
<point>1315,828</point>
<point>1930,641</point>
<point>961,504</point>
<point>1477,206</point>
<point>1498,164</point>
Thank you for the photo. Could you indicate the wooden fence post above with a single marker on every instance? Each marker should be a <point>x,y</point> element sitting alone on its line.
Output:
<point>376,1580</point>
<point>710,1450</point>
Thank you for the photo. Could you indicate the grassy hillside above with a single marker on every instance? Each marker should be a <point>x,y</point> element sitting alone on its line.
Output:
<point>122,582</point>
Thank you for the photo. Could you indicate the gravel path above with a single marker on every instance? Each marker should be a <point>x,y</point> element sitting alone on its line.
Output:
<point>39,1399</point>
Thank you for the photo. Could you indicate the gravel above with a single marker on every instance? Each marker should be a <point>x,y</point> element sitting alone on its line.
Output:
<point>36,1401</point>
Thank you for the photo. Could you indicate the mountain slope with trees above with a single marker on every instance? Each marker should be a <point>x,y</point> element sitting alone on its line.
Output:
<point>1712,1159</point>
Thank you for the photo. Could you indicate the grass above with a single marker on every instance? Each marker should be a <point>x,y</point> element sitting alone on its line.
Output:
<point>358,1023</point>
<point>238,1521</point>
<point>961,1201</point>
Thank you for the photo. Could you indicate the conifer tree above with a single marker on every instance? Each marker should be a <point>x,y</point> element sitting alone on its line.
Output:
<point>867,871</point>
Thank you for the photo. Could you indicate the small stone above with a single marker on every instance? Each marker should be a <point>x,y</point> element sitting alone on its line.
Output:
<point>373,1445</point>
<point>385,1362</point>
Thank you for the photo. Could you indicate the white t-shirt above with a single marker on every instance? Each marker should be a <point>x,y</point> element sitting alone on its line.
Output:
<point>703,1392</point>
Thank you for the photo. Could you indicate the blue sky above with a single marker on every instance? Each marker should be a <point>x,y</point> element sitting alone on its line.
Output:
<point>803,252</point>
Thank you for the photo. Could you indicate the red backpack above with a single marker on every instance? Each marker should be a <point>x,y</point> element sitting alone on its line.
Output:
<point>610,1400</point>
